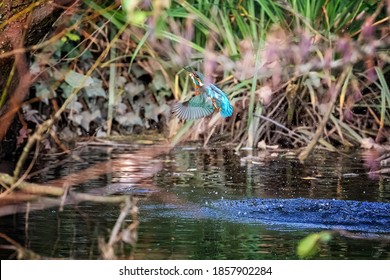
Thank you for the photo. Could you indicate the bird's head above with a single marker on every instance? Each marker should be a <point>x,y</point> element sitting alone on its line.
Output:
<point>196,76</point>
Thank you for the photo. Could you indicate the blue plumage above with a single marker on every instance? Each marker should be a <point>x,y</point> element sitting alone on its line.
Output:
<point>207,99</point>
<point>220,100</point>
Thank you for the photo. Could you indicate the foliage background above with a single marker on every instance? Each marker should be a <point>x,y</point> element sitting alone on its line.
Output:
<point>290,68</point>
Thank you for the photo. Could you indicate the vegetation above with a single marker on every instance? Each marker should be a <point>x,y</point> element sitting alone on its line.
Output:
<point>297,72</point>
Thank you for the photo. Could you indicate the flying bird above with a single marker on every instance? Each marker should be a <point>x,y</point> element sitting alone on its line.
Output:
<point>208,98</point>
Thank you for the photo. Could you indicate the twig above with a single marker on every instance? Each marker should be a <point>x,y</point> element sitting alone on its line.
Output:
<point>115,230</point>
<point>334,93</point>
<point>290,132</point>
<point>56,191</point>
<point>25,174</point>
<point>31,188</point>
<point>22,252</point>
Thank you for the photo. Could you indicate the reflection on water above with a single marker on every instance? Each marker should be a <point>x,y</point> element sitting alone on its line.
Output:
<point>187,180</point>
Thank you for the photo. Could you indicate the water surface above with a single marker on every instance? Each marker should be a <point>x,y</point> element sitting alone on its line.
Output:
<point>173,223</point>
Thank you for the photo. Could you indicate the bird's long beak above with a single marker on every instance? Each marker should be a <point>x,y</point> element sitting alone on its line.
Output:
<point>188,69</point>
<point>195,78</point>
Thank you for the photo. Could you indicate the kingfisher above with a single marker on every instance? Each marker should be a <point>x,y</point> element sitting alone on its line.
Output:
<point>207,99</point>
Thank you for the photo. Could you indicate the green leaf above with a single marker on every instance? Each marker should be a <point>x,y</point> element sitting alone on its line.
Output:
<point>159,81</point>
<point>43,92</point>
<point>73,37</point>
<point>95,89</point>
<point>310,245</point>
<point>77,80</point>
<point>138,17</point>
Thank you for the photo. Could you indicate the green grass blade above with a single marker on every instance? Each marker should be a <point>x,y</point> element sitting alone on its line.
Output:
<point>182,132</point>
<point>228,34</point>
<point>111,83</point>
<point>200,15</point>
<point>250,126</point>
<point>385,95</point>
<point>139,46</point>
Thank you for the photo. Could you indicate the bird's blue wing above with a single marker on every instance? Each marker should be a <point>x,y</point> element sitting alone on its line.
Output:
<point>197,107</point>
